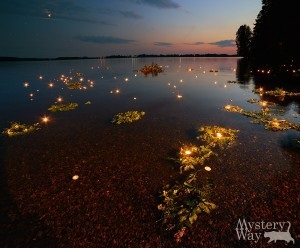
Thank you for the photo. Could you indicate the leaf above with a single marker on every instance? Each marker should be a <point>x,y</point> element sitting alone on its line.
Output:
<point>193,218</point>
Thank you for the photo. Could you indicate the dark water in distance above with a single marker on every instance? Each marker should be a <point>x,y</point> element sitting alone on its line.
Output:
<point>202,91</point>
<point>186,95</point>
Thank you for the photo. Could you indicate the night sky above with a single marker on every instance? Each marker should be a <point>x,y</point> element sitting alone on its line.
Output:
<point>54,28</point>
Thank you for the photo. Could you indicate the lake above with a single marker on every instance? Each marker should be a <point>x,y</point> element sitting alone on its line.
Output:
<point>122,168</point>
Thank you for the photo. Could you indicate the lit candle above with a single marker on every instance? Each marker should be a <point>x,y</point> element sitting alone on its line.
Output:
<point>219,135</point>
<point>45,119</point>
<point>187,152</point>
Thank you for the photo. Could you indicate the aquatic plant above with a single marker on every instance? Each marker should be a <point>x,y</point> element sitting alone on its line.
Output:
<point>190,157</point>
<point>184,201</point>
<point>277,92</point>
<point>128,117</point>
<point>59,107</point>
<point>88,103</point>
<point>217,136</point>
<point>266,116</point>
<point>17,128</point>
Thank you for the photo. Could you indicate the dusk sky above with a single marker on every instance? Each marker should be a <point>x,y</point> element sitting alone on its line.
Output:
<point>53,28</point>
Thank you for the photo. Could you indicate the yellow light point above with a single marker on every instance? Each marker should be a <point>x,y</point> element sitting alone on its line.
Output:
<point>40,77</point>
<point>117,91</point>
<point>75,177</point>
<point>59,99</point>
<point>175,86</point>
<point>261,89</point>
<point>227,107</point>
<point>26,84</point>
<point>81,79</point>
<point>31,95</point>
<point>126,79</point>
<point>264,103</point>
<point>225,86</point>
<point>181,81</point>
<point>169,84</point>
<point>275,123</point>
<point>51,85</point>
<point>207,168</point>
<point>190,69</point>
<point>45,119</point>
<point>188,152</point>
<point>219,135</point>
<point>134,98</point>
<point>179,96</point>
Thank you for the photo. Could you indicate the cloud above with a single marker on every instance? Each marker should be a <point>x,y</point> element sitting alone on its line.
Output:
<point>164,4</point>
<point>130,14</point>
<point>63,9</point>
<point>196,43</point>
<point>159,43</point>
<point>104,39</point>
<point>224,43</point>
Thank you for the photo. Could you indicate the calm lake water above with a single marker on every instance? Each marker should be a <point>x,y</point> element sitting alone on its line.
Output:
<point>186,96</point>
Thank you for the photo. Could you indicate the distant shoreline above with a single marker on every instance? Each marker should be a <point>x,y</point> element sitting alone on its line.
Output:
<point>6,58</point>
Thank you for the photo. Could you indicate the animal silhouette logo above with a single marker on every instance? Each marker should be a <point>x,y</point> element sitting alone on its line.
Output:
<point>280,235</point>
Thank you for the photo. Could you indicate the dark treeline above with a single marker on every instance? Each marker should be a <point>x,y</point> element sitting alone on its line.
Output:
<point>170,55</point>
<point>42,59</point>
<point>274,42</point>
<point>117,56</point>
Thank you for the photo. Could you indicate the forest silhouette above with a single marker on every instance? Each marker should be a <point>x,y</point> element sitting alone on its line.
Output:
<point>274,42</point>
